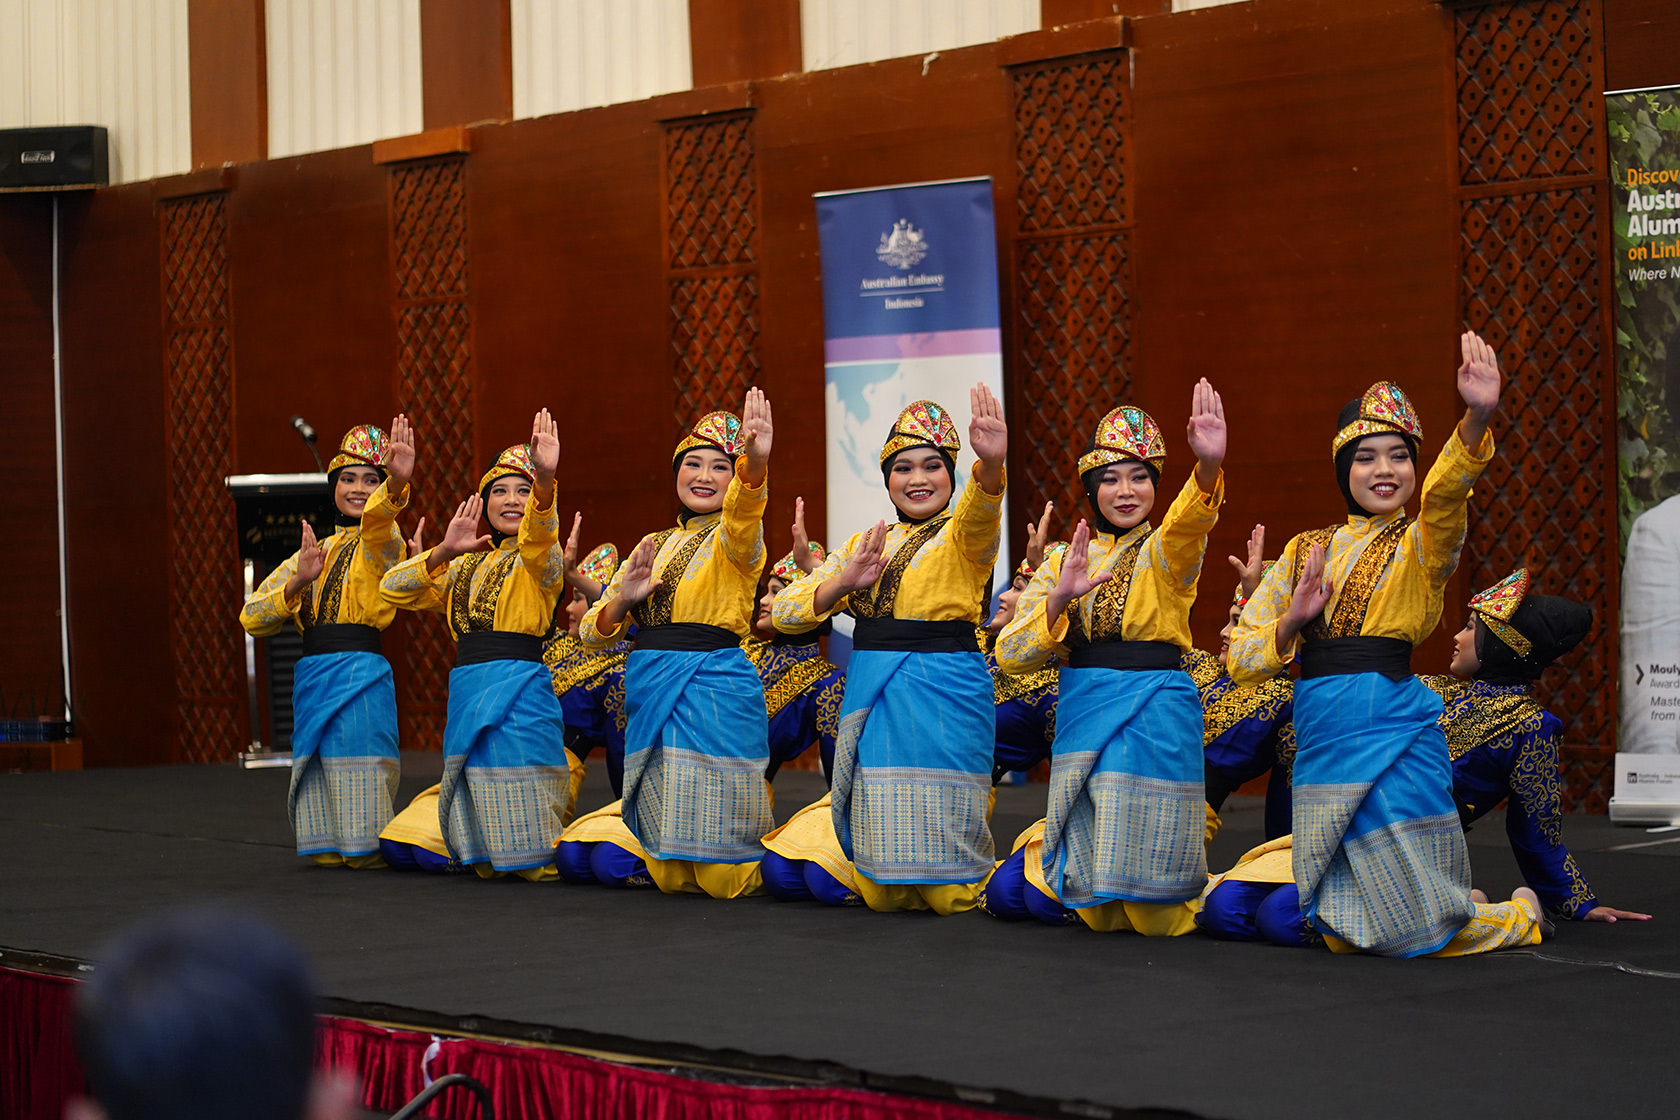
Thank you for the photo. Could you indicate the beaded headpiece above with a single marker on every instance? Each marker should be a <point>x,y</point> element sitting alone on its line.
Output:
<point>1237,596</point>
<point>362,446</point>
<point>515,460</point>
<point>787,570</point>
<point>1383,408</point>
<point>1054,548</point>
<point>1498,604</point>
<point>721,430</point>
<point>600,564</point>
<point>923,424</point>
<point>1125,433</point>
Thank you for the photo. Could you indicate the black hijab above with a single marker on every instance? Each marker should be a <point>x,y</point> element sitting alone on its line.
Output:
<point>1554,624</point>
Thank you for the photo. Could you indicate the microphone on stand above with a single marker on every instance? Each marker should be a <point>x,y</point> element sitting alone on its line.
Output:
<point>308,435</point>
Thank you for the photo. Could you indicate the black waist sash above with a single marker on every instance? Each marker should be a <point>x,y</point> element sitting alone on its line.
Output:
<point>1125,655</point>
<point>907,635</point>
<point>341,637</point>
<point>1337,657</point>
<point>687,637</point>
<point>496,645</point>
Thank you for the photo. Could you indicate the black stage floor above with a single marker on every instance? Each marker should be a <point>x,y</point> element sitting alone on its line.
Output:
<point>1044,1016</point>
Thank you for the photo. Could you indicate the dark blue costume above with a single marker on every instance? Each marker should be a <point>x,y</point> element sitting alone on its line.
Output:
<point>590,685</point>
<point>1026,714</point>
<point>1245,733</point>
<point>802,695</point>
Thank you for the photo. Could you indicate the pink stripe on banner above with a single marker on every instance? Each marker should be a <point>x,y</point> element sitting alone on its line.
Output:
<point>893,347</point>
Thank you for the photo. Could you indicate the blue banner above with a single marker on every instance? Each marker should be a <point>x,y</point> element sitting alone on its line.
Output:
<point>910,312</point>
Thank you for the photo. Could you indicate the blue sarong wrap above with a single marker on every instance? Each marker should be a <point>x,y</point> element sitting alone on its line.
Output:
<point>1379,855</point>
<point>913,767</point>
<point>344,752</point>
<point>1126,818</point>
<point>696,745</point>
<point>505,780</point>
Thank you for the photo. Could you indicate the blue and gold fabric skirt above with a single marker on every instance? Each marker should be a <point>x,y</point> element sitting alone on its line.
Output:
<point>696,745</point>
<point>344,753</point>
<point>913,767</point>
<point>1379,858</point>
<point>506,784</point>
<point>1127,816</point>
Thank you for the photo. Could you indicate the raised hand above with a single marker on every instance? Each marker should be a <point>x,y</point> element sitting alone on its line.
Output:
<point>1206,432</point>
<point>545,450</point>
<point>570,552</point>
<point>312,558</point>
<point>867,562</point>
<point>399,463</point>
<point>757,434</point>
<point>1307,602</point>
<point>988,435</point>
<point>1075,578</point>
<point>1038,537</point>
<point>637,581</point>
<point>803,557</point>
<point>1248,574</point>
<point>462,535</point>
<point>416,543</point>
<point>1479,380</point>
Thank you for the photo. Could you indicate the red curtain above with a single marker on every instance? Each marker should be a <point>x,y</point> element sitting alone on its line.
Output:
<point>39,1073</point>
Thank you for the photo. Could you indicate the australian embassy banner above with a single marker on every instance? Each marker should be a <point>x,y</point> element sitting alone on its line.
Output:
<point>910,312</point>
<point>1645,173</point>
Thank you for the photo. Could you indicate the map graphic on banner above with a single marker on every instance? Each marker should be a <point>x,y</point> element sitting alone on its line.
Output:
<point>1644,129</point>
<point>910,312</point>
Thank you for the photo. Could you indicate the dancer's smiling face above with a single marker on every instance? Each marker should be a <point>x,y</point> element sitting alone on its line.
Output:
<point>504,503</point>
<point>1465,662</point>
<point>576,607</point>
<point>702,478</point>
<point>766,603</point>
<point>1126,493</point>
<point>1383,476</point>
<point>919,483</point>
<point>1006,604</point>
<point>352,487</point>
<point>1230,625</point>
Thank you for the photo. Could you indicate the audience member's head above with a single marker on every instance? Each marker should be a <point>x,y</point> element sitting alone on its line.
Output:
<point>201,1015</point>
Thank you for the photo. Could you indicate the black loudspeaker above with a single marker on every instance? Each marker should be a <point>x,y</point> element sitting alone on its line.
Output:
<point>51,159</point>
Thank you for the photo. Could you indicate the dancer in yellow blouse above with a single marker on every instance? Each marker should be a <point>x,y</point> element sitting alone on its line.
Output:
<point>505,781</point>
<point>917,723</point>
<point>344,705</point>
<point>1123,845</point>
<point>1379,858</point>
<point>695,800</point>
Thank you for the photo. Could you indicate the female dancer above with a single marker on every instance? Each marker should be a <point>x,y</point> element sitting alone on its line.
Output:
<point>505,781</point>
<point>1025,703</point>
<point>586,681</point>
<point>916,728</point>
<point>802,688</point>
<point>1123,846</point>
<point>695,799</point>
<point>344,705</point>
<point>1372,803</point>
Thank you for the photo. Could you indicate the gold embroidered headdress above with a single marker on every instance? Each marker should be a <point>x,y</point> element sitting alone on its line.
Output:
<point>515,460</point>
<point>1125,433</point>
<point>600,564</point>
<point>1383,408</point>
<point>787,570</point>
<point>362,446</point>
<point>922,424</point>
<point>1498,604</point>
<point>721,430</point>
<point>1052,549</point>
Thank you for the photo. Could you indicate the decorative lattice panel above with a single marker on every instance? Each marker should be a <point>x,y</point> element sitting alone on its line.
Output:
<point>1530,129</point>
<point>711,239</point>
<point>1073,269</point>
<point>204,555</point>
<point>1074,298</point>
<point>434,386</point>
<point>1069,151</point>
<point>1527,91</point>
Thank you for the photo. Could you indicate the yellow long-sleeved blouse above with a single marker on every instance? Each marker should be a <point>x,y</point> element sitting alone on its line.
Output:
<point>944,581</point>
<point>347,590</point>
<point>512,588</point>
<point>1404,597</point>
<point>1163,587</point>
<point>718,557</point>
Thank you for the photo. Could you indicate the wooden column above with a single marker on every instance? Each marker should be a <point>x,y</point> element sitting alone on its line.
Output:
<point>1056,13</point>
<point>227,59</point>
<point>742,40</point>
<point>466,61</point>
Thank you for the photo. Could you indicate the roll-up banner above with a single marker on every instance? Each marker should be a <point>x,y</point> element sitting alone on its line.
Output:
<point>1645,172</point>
<point>910,312</point>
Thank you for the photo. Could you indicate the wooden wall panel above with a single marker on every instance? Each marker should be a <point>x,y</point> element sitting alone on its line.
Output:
<point>30,664</point>
<point>739,40</point>
<point>228,57</point>
<point>1639,43</point>
<point>466,61</point>
<point>116,480</point>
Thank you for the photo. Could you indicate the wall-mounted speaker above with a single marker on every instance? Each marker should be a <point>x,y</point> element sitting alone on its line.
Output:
<point>62,157</point>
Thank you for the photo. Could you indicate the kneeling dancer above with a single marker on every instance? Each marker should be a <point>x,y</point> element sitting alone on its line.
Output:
<point>1123,845</point>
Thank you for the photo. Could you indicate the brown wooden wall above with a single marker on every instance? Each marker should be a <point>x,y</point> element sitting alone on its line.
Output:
<point>1269,194</point>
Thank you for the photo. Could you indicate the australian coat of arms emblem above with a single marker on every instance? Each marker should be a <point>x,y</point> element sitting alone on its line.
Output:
<point>903,246</point>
